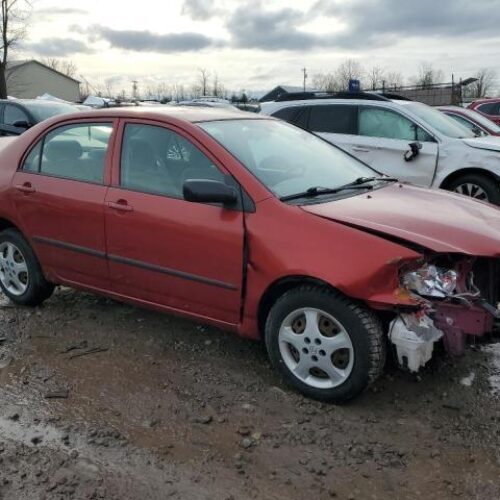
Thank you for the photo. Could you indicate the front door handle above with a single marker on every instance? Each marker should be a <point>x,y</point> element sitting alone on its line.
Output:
<point>25,188</point>
<point>360,150</point>
<point>121,205</point>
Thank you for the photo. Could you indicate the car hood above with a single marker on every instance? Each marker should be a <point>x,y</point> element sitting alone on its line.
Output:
<point>490,142</point>
<point>434,219</point>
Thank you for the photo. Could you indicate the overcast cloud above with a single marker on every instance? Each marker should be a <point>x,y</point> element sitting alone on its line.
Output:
<point>248,41</point>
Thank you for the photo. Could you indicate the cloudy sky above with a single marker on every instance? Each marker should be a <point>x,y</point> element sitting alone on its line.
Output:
<point>256,44</point>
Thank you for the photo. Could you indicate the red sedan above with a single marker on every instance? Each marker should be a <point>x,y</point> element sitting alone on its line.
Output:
<point>487,107</point>
<point>255,226</point>
<point>473,120</point>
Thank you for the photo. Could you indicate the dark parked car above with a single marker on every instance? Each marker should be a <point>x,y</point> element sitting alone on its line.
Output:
<point>17,116</point>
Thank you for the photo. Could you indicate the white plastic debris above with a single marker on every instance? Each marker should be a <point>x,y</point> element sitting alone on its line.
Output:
<point>414,336</point>
<point>467,381</point>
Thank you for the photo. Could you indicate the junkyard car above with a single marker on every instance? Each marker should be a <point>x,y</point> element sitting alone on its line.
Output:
<point>474,121</point>
<point>406,139</point>
<point>488,107</point>
<point>18,115</point>
<point>253,225</point>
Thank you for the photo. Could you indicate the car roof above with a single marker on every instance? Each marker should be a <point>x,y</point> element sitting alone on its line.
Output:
<point>191,114</point>
<point>485,99</point>
<point>34,101</point>
<point>457,109</point>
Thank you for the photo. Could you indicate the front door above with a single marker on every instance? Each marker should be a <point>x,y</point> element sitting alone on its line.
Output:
<point>384,137</point>
<point>162,249</point>
<point>59,196</point>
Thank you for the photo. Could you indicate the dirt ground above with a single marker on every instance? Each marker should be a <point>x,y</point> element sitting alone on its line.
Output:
<point>101,400</point>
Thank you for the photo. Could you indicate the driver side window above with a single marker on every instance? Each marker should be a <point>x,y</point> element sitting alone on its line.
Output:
<point>378,122</point>
<point>157,160</point>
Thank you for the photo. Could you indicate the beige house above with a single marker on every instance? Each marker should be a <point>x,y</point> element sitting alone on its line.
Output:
<point>29,79</point>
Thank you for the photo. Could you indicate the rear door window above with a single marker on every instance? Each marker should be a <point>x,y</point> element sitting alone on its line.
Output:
<point>333,118</point>
<point>75,152</point>
<point>287,114</point>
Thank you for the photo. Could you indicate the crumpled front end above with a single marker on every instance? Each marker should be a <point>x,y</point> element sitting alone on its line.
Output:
<point>455,294</point>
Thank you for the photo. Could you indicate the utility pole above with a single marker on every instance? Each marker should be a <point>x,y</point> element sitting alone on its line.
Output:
<point>134,89</point>
<point>304,70</point>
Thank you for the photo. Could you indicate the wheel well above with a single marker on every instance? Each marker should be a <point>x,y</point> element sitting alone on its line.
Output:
<point>6,224</point>
<point>478,171</point>
<point>277,289</point>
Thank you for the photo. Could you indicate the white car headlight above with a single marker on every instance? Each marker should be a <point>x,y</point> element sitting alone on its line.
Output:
<point>431,281</point>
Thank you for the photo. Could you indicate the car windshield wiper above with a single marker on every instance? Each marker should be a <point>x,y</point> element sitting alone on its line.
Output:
<point>359,183</point>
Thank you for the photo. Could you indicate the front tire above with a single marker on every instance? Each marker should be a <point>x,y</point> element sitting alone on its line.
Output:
<point>325,345</point>
<point>21,277</point>
<point>477,186</point>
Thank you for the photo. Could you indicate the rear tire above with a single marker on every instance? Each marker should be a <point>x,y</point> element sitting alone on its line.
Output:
<point>21,277</point>
<point>325,345</point>
<point>477,186</point>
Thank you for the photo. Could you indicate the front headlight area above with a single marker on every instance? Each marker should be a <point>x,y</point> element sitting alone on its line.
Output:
<point>431,281</point>
<point>450,308</point>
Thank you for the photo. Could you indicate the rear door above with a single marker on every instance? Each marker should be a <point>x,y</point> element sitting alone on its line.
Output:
<point>385,136</point>
<point>59,196</point>
<point>165,250</point>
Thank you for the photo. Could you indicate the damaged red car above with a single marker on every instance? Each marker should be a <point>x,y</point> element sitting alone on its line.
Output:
<point>252,225</point>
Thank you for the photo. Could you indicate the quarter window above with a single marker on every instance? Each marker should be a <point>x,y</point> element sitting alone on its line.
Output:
<point>75,152</point>
<point>333,119</point>
<point>377,122</point>
<point>157,160</point>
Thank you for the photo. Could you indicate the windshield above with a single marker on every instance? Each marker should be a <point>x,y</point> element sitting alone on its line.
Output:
<point>286,159</point>
<point>482,120</point>
<point>439,121</point>
<point>43,110</point>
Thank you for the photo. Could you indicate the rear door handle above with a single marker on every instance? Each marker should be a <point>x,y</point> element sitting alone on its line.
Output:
<point>360,150</point>
<point>25,188</point>
<point>121,205</point>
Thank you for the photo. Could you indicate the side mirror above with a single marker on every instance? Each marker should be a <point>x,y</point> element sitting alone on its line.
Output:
<point>414,151</point>
<point>477,131</point>
<point>22,124</point>
<point>209,191</point>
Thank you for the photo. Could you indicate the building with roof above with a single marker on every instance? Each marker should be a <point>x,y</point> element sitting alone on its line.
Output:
<point>280,90</point>
<point>30,79</point>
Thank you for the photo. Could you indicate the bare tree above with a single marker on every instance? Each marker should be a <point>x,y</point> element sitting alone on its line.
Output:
<point>376,77</point>
<point>326,82</point>
<point>348,70</point>
<point>428,75</point>
<point>203,76</point>
<point>13,22</point>
<point>66,67</point>
<point>393,80</point>
<point>483,85</point>
<point>178,92</point>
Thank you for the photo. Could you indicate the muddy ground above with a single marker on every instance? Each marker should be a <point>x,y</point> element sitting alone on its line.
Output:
<point>101,400</point>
